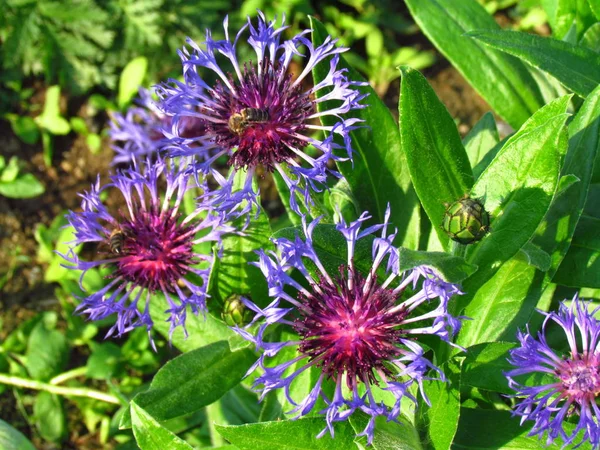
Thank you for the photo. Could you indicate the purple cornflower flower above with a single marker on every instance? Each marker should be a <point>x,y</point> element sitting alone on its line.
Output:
<point>150,247</point>
<point>574,378</point>
<point>138,134</point>
<point>357,331</point>
<point>257,113</point>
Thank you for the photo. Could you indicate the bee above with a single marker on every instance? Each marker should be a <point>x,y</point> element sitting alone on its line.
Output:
<point>115,241</point>
<point>239,121</point>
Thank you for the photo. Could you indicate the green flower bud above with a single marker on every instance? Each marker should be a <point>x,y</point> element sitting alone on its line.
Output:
<point>466,221</point>
<point>235,312</point>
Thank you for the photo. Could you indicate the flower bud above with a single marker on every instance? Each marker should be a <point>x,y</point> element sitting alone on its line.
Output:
<point>235,312</point>
<point>466,221</point>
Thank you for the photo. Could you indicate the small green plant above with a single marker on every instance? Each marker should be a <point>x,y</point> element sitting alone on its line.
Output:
<point>14,183</point>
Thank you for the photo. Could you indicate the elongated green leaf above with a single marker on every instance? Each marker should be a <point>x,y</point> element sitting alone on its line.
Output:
<point>131,80</point>
<point>442,417</point>
<point>438,164</point>
<point>474,432</point>
<point>502,304</point>
<point>482,138</point>
<point>150,435</point>
<point>379,174</point>
<point>556,231</point>
<point>503,81</point>
<point>484,367</point>
<point>576,67</point>
<point>517,188</point>
<point>387,435</point>
<point>12,439</point>
<point>289,435</point>
<point>519,183</point>
<point>194,380</point>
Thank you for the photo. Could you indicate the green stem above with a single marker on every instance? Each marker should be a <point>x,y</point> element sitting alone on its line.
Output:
<point>214,413</point>
<point>59,390</point>
<point>59,379</point>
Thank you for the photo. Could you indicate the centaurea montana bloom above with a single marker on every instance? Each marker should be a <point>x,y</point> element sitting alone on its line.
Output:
<point>257,113</point>
<point>150,247</point>
<point>138,134</point>
<point>573,379</point>
<point>358,330</point>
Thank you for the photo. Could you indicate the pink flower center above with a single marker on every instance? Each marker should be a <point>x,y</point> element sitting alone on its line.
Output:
<point>349,331</point>
<point>156,251</point>
<point>580,377</point>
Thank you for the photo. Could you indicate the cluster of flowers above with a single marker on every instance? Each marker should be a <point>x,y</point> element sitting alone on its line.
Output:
<point>359,329</point>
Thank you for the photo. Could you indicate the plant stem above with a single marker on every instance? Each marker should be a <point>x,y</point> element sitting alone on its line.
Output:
<point>60,390</point>
<point>74,373</point>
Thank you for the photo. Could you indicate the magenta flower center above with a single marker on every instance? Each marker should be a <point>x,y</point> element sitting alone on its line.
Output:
<point>261,119</point>
<point>347,330</point>
<point>155,250</point>
<point>580,377</point>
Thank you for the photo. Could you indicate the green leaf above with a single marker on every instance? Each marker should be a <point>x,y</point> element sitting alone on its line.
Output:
<point>50,417</point>
<point>591,38</point>
<point>387,435</point>
<point>556,231</point>
<point>131,79</point>
<point>518,185</point>
<point>104,360</point>
<point>289,435</point>
<point>474,432</point>
<point>581,265</point>
<point>150,435</point>
<point>25,128</point>
<point>202,329</point>
<point>50,119</point>
<point>503,81</point>
<point>537,257</point>
<point>11,171</point>
<point>379,174</point>
<point>194,380</point>
<point>452,269</point>
<point>484,367</point>
<point>12,439</point>
<point>442,417</point>
<point>25,186</point>
<point>47,350</point>
<point>502,303</point>
<point>480,141</point>
<point>576,67</point>
<point>438,164</point>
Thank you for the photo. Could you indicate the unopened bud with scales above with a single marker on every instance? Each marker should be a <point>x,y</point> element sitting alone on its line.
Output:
<point>466,221</point>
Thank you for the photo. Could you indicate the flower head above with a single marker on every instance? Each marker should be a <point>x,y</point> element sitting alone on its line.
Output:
<point>358,330</point>
<point>138,134</point>
<point>150,246</point>
<point>257,113</point>
<point>573,378</point>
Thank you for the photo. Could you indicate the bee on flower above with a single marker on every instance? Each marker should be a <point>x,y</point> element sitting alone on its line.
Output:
<point>259,113</point>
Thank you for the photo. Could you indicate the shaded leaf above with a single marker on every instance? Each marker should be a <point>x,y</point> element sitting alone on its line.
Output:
<point>12,439</point>
<point>576,67</point>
